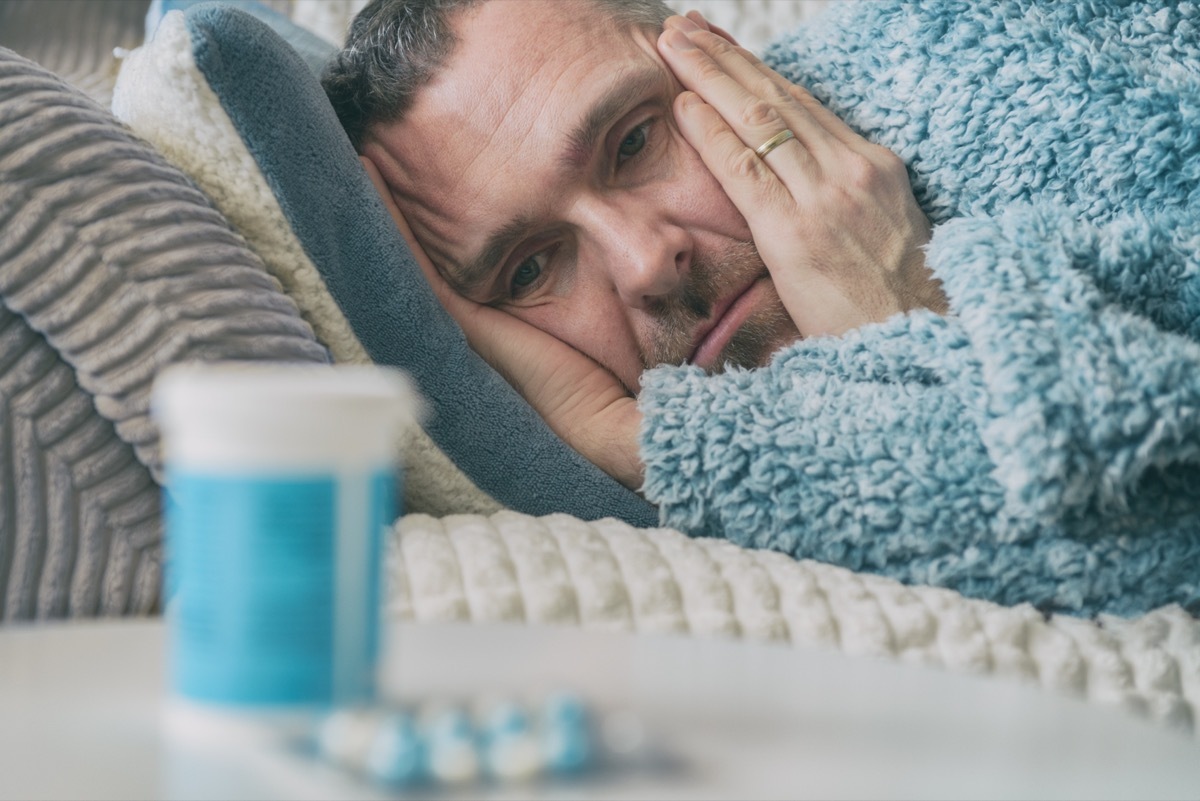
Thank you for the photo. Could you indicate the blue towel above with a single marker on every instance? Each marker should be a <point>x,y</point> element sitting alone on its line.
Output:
<point>1042,443</point>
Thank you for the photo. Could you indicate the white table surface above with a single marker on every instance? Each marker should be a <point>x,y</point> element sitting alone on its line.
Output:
<point>82,713</point>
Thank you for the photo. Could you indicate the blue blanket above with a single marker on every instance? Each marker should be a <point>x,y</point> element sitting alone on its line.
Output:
<point>1042,443</point>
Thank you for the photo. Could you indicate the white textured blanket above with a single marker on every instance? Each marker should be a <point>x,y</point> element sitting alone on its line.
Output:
<point>608,575</point>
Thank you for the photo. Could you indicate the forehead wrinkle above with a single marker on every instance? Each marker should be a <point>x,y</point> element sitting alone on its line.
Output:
<point>423,219</point>
<point>433,205</point>
<point>394,167</point>
<point>509,108</point>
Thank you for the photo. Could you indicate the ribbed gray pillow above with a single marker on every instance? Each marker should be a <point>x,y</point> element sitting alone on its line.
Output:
<point>112,265</point>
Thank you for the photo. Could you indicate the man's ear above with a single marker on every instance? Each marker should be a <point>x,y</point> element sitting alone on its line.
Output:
<point>698,18</point>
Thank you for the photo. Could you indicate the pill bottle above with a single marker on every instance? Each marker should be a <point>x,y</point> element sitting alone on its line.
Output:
<point>281,485</point>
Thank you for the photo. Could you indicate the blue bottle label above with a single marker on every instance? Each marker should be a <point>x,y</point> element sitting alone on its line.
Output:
<point>274,585</point>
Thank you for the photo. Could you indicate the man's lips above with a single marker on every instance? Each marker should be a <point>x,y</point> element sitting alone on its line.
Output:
<point>728,316</point>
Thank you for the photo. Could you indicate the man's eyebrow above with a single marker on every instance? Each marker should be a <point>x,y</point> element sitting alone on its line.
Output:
<point>581,142</point>
<point>627,90</point>
<point>477,271</point>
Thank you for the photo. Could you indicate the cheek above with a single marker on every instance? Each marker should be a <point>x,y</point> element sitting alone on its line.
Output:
<point>698,196</point>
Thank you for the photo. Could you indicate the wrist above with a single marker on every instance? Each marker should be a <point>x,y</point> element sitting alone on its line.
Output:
<point>610,441</point>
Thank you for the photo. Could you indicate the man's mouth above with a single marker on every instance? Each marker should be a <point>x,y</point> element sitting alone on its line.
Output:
<point>728,316</point>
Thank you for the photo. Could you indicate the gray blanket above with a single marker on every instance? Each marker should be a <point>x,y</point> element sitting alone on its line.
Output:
<point>112,265</point>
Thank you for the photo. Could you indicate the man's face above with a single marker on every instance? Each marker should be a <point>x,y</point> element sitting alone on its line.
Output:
<point>542,172</point>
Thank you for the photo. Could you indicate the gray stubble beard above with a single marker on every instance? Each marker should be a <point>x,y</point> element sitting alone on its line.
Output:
<point>709,279</point>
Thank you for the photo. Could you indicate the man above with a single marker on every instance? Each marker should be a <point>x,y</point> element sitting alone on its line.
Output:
<point>601,189</point>
<point>552,167</point>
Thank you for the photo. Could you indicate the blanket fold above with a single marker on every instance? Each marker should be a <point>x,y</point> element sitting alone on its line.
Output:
<point>1042,442</point>
<point>1075,396</point>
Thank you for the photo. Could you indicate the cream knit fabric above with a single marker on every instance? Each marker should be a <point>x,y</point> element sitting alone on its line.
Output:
<point>606,575</point>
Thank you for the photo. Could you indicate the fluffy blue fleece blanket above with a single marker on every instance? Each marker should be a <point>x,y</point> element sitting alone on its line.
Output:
<point>1041,443</point>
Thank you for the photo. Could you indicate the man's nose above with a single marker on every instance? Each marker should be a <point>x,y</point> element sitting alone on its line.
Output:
<point>646,257</point>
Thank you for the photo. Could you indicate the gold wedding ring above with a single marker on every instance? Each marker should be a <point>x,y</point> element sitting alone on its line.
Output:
<point>774,142</point>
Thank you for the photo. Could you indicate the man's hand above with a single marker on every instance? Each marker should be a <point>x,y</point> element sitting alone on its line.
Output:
<point>833,215</point>
<point>581,401</point>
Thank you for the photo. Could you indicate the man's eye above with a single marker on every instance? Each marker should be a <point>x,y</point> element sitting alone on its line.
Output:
<point>633,142</point>
<point>528,274</point>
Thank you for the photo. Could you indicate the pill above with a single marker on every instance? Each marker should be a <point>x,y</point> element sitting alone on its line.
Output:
<point>453,753</point>
<point>566,734</point>
<point>345,735</point>
<point>396,755</point>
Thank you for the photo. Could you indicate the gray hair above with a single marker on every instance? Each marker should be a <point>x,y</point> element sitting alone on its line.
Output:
<point>394,47</point>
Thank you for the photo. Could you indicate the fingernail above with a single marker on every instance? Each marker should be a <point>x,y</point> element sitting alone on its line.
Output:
<point>677,40</point>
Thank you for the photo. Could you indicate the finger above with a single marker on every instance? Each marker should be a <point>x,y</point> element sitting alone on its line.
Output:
<point>753,187</point>
<point>822,115</point>
<point>832,123</point>
<point>753,119</point>
<point>761,197</point>
<point>698,18</point>
<point>826,118</point>
<point>756,87</point>
<point>693,20</point>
